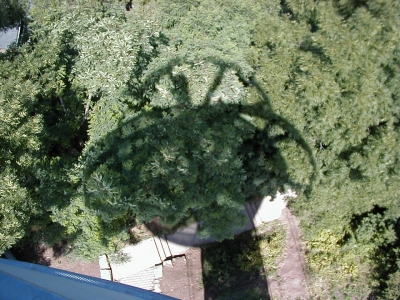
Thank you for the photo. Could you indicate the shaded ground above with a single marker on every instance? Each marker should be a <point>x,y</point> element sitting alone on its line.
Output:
<point>233,269</point>
<point>56,257</point>
<point>217,271</point>
<point>183,279</point>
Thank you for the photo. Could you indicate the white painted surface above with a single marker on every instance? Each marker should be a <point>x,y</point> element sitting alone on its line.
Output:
<point>105,274</point>
<point>271,209</point>
<point>103,262</point>
<point>142,256</point>
<point>157,272</point>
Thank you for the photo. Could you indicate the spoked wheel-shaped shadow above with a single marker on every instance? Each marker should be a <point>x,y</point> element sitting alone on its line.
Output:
<point>199,162</point>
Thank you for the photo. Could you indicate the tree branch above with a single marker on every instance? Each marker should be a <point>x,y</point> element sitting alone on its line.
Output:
<point>86,109</point>
<point>62,104</point>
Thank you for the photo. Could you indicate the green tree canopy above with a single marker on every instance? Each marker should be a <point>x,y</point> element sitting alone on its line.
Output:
<point>12,13</point>
<point>182,109</point>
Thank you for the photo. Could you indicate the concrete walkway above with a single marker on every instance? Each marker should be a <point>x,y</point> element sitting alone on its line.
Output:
<point>158,250</point>
<point>141,256</point>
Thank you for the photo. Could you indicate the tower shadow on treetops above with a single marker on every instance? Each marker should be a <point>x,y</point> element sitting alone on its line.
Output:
<point>186,161</point>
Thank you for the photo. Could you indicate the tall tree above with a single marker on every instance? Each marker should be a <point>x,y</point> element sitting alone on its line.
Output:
<point>182,109</point>
<point>12,13</point>
<point>332,69</point>
<point>19,145</point>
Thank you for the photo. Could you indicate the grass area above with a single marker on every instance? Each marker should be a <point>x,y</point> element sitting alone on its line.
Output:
<point>237,269</point>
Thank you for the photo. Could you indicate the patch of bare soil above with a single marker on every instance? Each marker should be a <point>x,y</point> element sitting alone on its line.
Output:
<point>289,281</point>
<point>183,279</point>
<point>57,257</point>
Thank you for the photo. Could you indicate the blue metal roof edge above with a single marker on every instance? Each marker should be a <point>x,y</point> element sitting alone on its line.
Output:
<point>89,280</point>
<point>12,287</point>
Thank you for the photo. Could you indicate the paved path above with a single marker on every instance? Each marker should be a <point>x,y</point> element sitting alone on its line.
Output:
<point>289,280</point>
<point>159,249</point>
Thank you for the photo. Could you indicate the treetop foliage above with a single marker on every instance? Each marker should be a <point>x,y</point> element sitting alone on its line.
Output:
<point>187,109</point>
<point>12,13</point>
